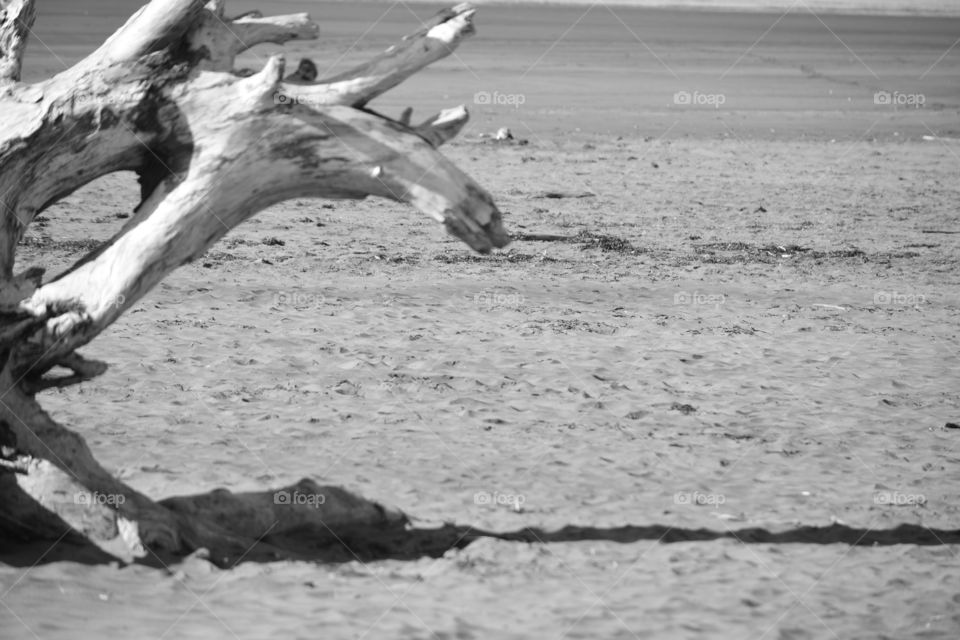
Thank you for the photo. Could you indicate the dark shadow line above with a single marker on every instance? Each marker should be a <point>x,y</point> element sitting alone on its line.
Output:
<point>831,534</point>
<point>414,543</point>
<point>402,542</point>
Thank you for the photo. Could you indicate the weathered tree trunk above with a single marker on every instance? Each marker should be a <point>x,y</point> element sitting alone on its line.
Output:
<point>212,147</point>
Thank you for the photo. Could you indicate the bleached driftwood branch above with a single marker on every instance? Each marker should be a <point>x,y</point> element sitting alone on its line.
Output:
<point>212,148</point>
<point>443,126</point>
<point>357,86</point>
<point>16,19</point>
<point>218,40</point>
<point>270,153</point>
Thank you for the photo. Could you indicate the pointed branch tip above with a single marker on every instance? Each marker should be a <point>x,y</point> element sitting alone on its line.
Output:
<point>273,69</point>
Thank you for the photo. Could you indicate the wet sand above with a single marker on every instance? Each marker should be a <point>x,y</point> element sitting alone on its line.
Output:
<point>748,330</point>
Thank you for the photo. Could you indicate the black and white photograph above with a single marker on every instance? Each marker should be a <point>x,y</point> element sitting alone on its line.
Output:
<point>512,319</point>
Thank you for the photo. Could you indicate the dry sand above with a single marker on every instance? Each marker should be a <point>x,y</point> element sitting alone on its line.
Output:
<point>761,321</point>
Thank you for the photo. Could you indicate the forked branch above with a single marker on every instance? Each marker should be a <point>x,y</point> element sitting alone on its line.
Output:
<point>212,148</point>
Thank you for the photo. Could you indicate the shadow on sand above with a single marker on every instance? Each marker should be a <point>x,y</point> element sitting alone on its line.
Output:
<point>402,542</point>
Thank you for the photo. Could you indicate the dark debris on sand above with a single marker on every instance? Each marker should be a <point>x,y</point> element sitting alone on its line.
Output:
<point>587,240</point>
<point>605,242</point>
<point>742,252</point>
<point>70,246</point>
<point>511,257</point>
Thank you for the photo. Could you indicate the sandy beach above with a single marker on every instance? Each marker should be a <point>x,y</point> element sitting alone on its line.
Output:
<point>751,326</point>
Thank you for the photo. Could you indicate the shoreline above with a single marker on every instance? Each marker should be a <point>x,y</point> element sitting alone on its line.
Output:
<point>865,8</point>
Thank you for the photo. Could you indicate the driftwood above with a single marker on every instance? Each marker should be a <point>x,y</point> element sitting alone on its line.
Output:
<point>212,146</point>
